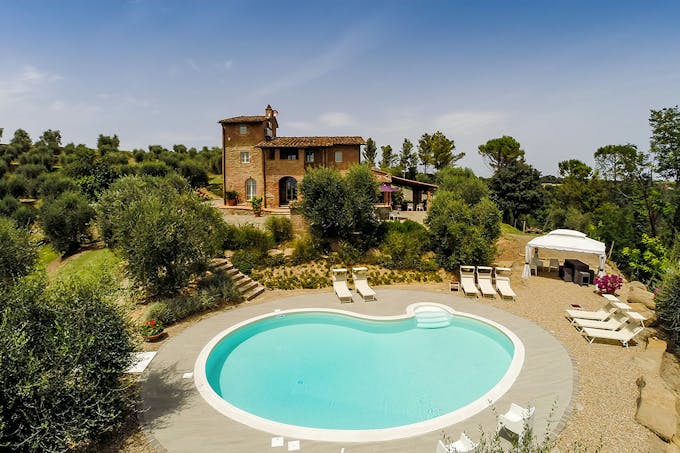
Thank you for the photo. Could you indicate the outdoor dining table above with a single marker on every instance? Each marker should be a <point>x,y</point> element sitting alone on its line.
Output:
<point>577,267</point>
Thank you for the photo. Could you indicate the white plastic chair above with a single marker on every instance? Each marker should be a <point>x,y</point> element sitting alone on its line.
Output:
<point>462,445</point>
<point>517,419</point>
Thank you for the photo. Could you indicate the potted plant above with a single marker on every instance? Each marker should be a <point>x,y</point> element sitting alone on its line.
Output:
<point>152,330</point>
<point>232,197</point>
<point>256,203</point>
<point>608,283</point>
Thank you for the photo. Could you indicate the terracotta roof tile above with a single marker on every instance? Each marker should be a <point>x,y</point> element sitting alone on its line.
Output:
<point>244,119</point>
<point>309,142</point>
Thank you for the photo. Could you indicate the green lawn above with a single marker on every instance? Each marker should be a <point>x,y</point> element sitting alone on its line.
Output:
<point>90,262</point>
<point>505,228</point>
<point>46,255</point>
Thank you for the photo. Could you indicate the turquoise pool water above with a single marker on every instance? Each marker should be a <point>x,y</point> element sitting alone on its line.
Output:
<point>331,371</point>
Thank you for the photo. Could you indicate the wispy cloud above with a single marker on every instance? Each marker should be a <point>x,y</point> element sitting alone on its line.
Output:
<point>30,80</point>
<point>192,64</point>
<point>355,41</point>
<point>336,119</point>
<point>467,122</point>
<point>300,125</point>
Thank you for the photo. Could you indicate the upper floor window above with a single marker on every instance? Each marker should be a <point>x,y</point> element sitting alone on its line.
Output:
<point>338,156</point>
<point>245,157</point>
<point>288,154</point>
<point>251,189</point>
<point>243,130</point>
<point>309,156</point>
<point>271,155</point>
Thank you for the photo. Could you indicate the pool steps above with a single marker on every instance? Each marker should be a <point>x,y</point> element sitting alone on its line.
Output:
<point>432,317</point>
<point>246,286</point>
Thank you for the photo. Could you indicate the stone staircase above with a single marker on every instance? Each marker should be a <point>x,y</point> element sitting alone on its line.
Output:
<point>246,286</point>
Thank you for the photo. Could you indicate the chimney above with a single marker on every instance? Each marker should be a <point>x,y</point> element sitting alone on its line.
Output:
<point>268,111</point>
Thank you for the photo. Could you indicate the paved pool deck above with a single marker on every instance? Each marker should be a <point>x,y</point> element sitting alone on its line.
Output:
<point>177,419</point>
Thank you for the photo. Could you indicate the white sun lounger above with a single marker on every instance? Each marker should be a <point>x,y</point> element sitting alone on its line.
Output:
<point>361,283</point>
<point>601,314</point>
<point>615,322</point>
<point>467,281</point>
<point>626,334</point>
<point>503,283</point>
<point>340,285</point>
<point>484,281</point>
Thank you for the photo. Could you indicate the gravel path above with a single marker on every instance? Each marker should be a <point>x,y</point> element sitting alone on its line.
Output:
<point>606,393</point>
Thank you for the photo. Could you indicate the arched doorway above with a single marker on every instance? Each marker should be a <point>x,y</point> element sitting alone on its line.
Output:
<point>287,190</point>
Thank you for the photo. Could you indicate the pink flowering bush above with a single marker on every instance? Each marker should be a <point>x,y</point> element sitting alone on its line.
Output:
<point>608,283</point>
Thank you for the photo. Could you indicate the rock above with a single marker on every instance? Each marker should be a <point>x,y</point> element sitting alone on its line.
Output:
<point>644,311</point>
<point>670,372</point>
<point>639,296</point>
<point>672,448</point>
<point>639,285</point>
<point>651,358</point>
<point>656,407</point>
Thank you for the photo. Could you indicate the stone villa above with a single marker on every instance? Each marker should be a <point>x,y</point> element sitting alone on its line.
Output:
<point>257,163</point>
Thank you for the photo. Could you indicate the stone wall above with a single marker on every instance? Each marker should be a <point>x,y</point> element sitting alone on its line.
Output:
<point>236,173</point>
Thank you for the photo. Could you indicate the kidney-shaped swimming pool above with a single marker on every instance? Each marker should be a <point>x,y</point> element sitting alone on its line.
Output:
<point>333,375</point>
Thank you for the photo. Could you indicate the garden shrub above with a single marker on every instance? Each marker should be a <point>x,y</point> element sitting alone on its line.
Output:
<point>348,253</point>
<point>60,379</point>
<point>281,228</point>
<point>19,186</point>
<point>153,168</point>
<point>304,250</point>
<point>8,205</point>
<point>139,155</point>
<point>245,260</point>
<point>220,286</point>
<point>668,304</point>
<point>65,220</point>
<point>649,262</point>
<point>25,216</point>
<point>249,237</point>
<point>112,158</point>
<point>404,244</point>
<point>174,309</point>
<point>30,171</point>
<point>194,173</point>
<point>54,184</point>
<point>17,254</point>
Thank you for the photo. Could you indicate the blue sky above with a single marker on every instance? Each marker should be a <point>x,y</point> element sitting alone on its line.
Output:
<point>562,77</point>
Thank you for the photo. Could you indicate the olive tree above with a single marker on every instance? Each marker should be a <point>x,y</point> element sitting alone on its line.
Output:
<point>323,194</point>
<point>463,226</point>
<point>341,208</point>
<point>17,254</point>
<point>65,220</point>
<point>166,234</point>
<point>63,349</point>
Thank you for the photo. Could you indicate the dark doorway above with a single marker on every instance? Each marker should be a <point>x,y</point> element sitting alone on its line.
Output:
<point>287,190</point>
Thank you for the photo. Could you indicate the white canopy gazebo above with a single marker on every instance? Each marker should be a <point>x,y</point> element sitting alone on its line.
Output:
<point>567,241</point>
